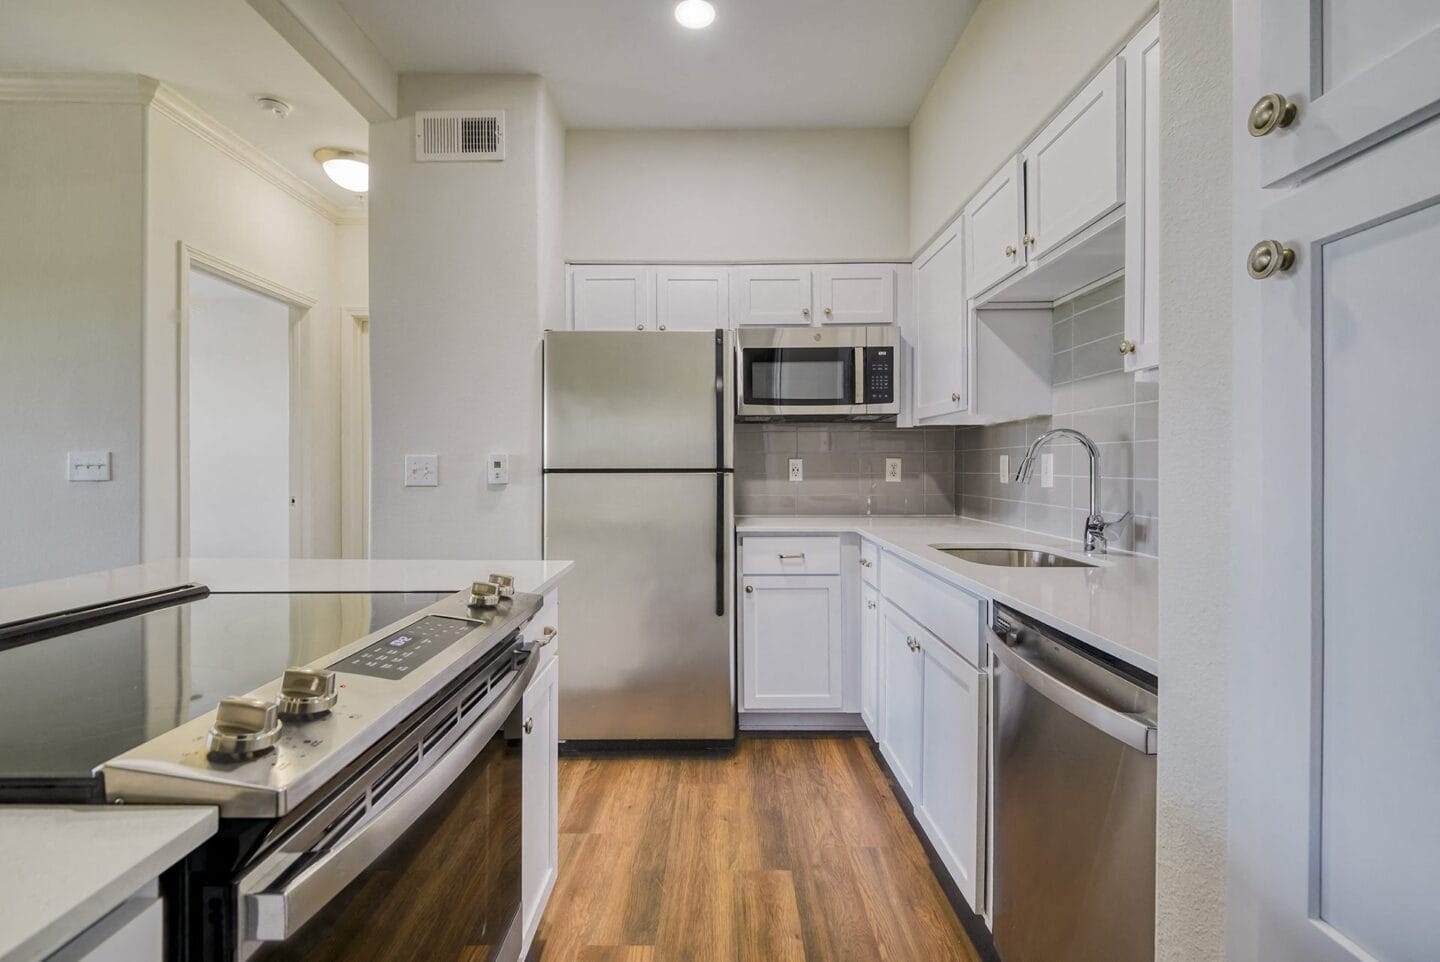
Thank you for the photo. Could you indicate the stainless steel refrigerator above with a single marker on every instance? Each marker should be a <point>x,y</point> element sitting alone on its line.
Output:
<point>639,431</point>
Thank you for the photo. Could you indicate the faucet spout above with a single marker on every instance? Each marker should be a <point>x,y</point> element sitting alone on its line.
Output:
<point>1095,524</point>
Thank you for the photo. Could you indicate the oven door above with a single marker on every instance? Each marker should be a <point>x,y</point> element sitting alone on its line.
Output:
<point>434,874</point>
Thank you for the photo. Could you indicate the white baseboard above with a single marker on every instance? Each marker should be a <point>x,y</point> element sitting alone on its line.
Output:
<point>805,721</point>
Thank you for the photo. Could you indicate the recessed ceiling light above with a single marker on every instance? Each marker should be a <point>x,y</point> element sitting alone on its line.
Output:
<point>695,14</point>
<point>349,169</point>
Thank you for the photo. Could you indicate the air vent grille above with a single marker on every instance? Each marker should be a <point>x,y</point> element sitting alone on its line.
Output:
<point>460,135</point>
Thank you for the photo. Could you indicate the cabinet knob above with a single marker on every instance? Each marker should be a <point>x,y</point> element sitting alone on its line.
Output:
<point>805,311</point>
<point>662,327</point>
<point>1009,250</point>
<point>749,589</point>
<point>639,327</point>
<point>1270,112</point>
<point>912,644</point>
<point>870,605</point>
<point>1269,257</point>
<point>1127,347</point>
<point>954,398</point>
<point>864,562</point>
<point>827,312</point>
<point>1028,240</point>
<point>529,725</point>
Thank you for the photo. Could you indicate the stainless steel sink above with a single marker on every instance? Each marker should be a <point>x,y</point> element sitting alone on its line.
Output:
<point>1009,557</point>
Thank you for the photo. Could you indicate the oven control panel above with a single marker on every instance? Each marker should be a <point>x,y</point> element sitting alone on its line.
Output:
<point>399,653</point>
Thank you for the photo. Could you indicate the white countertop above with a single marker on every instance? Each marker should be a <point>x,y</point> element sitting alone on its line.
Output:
<point>67,867</point>
<point>1114,606</point>
<point>271,575</point>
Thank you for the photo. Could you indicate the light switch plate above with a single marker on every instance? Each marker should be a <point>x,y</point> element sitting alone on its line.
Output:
<point>892,469</point>
<point>87,466</point>
<point>1004,469</point>
<point>422,470</point>
<point>497,469</point>
<point>797,469</point>
<point>1047,470</point>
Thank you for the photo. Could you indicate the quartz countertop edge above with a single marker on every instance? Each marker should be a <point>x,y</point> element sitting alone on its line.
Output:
<point>81,862</point>
<point>1112,607</point>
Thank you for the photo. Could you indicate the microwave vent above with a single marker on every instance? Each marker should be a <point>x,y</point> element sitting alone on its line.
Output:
<point>459,135</point>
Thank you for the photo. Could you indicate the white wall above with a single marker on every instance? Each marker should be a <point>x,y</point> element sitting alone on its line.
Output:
<point>1195,480</point>
<point>1015,64</point>
<point>457,257</point>
<point>71,299</point>
<point>203,197</point>
<point>736,195</point>
<point>239,422</point>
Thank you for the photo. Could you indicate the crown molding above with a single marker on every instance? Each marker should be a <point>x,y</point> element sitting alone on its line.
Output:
<point>78,88</point>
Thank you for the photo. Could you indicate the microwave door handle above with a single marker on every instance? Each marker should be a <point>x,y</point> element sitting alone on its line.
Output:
<point>859,375</point>
<point>274,914</point>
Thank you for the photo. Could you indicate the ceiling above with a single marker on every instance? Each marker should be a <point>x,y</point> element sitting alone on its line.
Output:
<point>219,54</point>
<point>627,63</point>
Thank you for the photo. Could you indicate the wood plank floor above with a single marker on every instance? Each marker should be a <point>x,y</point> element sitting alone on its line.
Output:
<point>789,849</point>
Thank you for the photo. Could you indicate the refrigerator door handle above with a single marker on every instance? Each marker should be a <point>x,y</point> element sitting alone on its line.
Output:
<point>720,545</point>
<point>719,399</point>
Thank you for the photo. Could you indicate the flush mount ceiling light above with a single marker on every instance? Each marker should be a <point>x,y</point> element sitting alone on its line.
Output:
<point>273,105</point>
<point>695,14</point>
<point>349,169</point>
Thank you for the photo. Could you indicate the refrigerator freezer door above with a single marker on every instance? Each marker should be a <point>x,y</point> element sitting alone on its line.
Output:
<point>633,400</point>
<point>648,657</point>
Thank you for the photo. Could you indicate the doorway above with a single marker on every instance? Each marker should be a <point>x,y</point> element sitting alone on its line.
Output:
<point>241,413</point>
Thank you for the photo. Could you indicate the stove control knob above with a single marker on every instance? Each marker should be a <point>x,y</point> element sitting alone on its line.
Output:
<point>244,728</point>
<point>506,584</point>
<point>483,594</point>
<point>307,692</point>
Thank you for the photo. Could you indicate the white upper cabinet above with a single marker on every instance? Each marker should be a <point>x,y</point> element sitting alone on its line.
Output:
<point>941,369</point>
<point>1353,72</point>
<point>611,298</point>
<point>1142,198</point>
<point>770,295</point>
<point>994,225</point>
<point>855,294</point>
<point>1074,168</point>
<point>692,298</point>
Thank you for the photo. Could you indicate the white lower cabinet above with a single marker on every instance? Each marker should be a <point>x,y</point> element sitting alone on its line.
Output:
<point>540,794</point>
<point>792,642</point>
<point>869,656</point>
<point>952,762</point>
<point>901,713</point>
<point>132,932</point>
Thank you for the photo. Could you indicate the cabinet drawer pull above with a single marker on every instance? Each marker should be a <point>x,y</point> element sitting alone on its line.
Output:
<point>793,557</point>
<point>547,635</point>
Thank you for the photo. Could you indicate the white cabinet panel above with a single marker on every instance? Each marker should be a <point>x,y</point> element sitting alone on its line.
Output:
<point>790,555</point>
<point>1074,168</point>
<point>132,932</point>
<point>949,613</point>
<point>792,642</point>
<point>951,808</point>
<point>942,375</point>
<point>540,795</point>
<point>770,295</point>
<point>994,225</point>
<point>1355,71</point>
<point>610,298</point>
<point>901,675</point>
<point>1142,197</point>
<point>692,298</point>
<point>856,294</point>
<point>869,653</point>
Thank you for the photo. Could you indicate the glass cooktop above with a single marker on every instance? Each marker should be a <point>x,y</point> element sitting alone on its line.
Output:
<point>72,701</point>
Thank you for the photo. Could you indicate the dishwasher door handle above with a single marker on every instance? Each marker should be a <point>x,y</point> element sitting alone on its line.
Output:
<point>1131,730</point>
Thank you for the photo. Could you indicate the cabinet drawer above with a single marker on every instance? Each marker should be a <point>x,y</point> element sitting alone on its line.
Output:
<point>869,562</point>
<point>947,612</point>
<point>790,556</point>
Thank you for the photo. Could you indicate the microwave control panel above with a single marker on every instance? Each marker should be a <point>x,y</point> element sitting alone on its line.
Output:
<point>879,375</point>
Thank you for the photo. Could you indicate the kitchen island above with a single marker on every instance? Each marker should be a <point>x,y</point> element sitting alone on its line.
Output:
<point>78,875</point>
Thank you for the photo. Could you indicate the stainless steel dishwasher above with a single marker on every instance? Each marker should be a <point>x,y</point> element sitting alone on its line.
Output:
<point>1074,748</point>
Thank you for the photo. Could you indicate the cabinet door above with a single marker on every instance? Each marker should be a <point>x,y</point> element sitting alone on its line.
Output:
<point>942,376</point>
<point>901,672</point>
<point>770,295</point>
<point>994,223</point>
<point>952,785</point>
<point>1075,167</point>
<point>610,299</point>
<point>792,642</point>
<point>856,293</point>
<point>692,298</point>
<point>869,654</point>
<point>1355,71</point>
<point>540,795</point>
<point>1142,198</point>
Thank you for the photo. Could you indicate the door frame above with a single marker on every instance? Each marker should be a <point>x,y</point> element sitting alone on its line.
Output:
<point>355,432</point>
<point>300,304</point>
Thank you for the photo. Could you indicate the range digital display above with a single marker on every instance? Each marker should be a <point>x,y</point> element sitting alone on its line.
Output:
<point>398,654</point>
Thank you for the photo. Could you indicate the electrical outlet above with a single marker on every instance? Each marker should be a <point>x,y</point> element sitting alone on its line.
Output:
<point>422,470</point>
<point>1004,469</point>
<point>87,466</point>
<point>497,469</point>
<point>892,469</point>
<point>797,469</point>
<point>1047,470</point>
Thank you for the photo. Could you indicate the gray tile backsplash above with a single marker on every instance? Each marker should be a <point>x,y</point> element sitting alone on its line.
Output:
<point>1093,394</point>
<point>844,467</point>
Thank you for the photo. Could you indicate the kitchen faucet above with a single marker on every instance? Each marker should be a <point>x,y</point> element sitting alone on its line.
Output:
<point>1095,524</point>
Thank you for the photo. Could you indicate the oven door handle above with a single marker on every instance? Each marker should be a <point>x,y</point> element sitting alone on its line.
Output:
<point>275,914</point>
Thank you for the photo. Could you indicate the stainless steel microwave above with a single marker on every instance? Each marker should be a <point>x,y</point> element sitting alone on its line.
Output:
<point>818,373</point>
